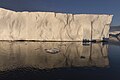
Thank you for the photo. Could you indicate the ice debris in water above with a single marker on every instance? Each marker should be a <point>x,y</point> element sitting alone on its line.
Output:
<point>52,50</point>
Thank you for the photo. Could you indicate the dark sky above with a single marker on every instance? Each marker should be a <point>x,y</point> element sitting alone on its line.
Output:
<point>67,6</point>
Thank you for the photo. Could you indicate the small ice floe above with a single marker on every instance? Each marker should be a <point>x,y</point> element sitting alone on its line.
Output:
<point>52,50</point>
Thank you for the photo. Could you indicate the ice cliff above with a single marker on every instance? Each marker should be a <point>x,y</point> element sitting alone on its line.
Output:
<point>51,26</point>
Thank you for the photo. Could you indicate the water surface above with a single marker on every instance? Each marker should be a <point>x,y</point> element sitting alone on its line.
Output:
<point>75,60</point>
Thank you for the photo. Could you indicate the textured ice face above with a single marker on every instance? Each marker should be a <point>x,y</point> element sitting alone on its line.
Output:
<point>50,26</point>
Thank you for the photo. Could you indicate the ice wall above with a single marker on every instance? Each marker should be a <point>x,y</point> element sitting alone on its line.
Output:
<point>50,26</point>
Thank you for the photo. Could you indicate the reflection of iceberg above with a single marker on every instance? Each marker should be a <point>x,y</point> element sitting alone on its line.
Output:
<point>33,54</point>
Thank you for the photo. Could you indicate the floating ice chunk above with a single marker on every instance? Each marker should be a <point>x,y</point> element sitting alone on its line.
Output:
<point>52,50</point>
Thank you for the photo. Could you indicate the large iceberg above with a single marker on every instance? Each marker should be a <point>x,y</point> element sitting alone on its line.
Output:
<point>51,26</point>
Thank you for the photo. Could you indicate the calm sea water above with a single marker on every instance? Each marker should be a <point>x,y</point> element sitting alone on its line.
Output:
<point>59,61</point>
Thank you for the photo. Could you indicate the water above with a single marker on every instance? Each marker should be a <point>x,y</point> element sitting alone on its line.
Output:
<point>72,61</point>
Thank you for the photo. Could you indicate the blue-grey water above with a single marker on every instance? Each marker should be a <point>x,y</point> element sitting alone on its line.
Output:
<point>59,61</point>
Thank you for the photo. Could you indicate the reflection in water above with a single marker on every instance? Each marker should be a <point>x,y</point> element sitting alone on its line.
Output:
<point>33,54</point>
